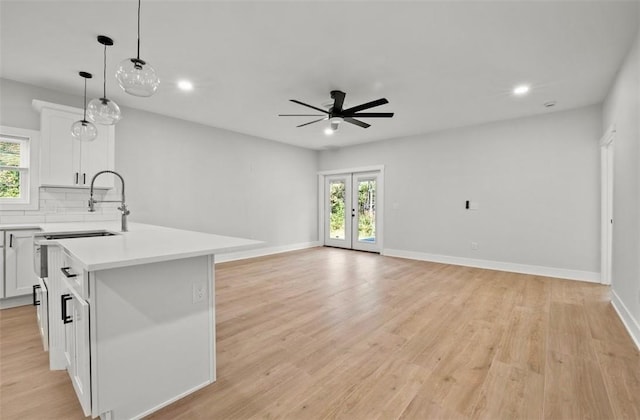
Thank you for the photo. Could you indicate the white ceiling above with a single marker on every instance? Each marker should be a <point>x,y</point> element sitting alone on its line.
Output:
<point>440,64</point>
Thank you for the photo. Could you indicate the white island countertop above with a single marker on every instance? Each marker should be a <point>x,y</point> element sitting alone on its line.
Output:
<point>142,244</point>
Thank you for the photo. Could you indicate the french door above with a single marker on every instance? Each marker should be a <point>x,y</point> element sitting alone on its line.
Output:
<point>350,212</point>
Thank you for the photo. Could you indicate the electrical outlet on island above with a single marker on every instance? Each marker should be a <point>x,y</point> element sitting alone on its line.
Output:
<point>199,292</point>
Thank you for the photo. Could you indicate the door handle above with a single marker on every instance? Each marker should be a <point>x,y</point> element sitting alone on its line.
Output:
<point>67,274</point>
<point>63,302</point>
<point>77,176</point>
<point>11,240</point>
<point>353,212</point>
<point>35,301</point>
<point>84,178</point>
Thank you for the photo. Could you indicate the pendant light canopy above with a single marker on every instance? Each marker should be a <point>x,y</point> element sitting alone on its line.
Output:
<point>102,110</point>
<point>84,130</point>
<point>135,76</point>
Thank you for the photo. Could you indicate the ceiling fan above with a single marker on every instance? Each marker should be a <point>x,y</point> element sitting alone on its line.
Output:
<point>335,114</point>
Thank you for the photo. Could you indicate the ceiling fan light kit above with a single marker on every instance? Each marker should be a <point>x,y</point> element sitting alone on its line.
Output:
<point>103,110</point>
<point>135,76</point>
<point>336,114</point>
<point>84,130</point>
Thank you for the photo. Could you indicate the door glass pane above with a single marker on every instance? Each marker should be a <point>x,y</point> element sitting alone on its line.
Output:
<point>367,210</point>
<point>336,205</point>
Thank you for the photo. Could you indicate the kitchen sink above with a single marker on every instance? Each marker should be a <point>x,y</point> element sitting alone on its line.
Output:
<point>40,255</point>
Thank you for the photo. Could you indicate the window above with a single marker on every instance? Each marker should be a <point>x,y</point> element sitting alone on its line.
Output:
<point>18,169</point>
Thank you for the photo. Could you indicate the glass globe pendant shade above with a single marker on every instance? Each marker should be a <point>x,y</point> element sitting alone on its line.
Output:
<point>137,78</point>
<point>84,130</point>
<point>103,111</point>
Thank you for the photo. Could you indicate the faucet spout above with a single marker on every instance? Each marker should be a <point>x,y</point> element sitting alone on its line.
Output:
<point>123,207</point>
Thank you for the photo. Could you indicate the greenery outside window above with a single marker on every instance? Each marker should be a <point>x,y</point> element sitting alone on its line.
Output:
<point>18,169</point>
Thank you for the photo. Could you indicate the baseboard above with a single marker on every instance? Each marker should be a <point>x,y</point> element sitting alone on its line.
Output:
<point>172,400</point>
<point>16,301</point>
<point>261,252</point>
<point>562,273</point>
<point>631,324</point>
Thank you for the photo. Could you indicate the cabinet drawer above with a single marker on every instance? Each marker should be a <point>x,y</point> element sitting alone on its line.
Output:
<point>75,276</point>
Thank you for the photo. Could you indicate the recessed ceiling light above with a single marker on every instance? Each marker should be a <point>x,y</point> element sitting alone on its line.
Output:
<point>185,85</point>
<point>328,131</point>
<point>521,90</point>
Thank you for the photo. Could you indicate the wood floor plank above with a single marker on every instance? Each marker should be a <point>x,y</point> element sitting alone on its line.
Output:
<point>330,333</point>
<point>621,372</point>
<point>510,392</point>
<point>525,340</point>
<point>575,389</point>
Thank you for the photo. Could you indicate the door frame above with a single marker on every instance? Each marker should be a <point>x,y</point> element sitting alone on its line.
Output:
<point>606,206</point>
<point>379,198</point>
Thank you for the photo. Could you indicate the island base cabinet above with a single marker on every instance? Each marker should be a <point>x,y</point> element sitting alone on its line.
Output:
<point>152,335</point>
<point>77,350</point>
<point>41,301</point>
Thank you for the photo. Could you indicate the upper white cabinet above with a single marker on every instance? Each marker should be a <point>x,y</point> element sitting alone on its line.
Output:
<point>65,161</point>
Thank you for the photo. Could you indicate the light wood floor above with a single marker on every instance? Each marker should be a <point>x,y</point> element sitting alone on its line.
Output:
<point>327,333</point>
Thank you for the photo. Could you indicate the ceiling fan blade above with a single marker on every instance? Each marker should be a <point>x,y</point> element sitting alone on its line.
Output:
<point>309,106</point>
<point>299,115</point>
<point>357,122</point>
<point>338,100</point>
<point>368,105</point>
<point>373,115</point>
<point>311,122</point>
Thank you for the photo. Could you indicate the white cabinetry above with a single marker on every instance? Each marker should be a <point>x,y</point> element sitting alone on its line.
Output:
<point>41,300</point>
<point>65,161</point>
<point>1,264</point>
<point>75,318</point>
<point>19,274</point>
<point>77,347</point>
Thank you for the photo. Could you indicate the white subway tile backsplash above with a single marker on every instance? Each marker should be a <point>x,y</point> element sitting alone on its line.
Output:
<point>93,217</point>
<point>65,205</point>
<point>21,219</point>
<point>12,213</point>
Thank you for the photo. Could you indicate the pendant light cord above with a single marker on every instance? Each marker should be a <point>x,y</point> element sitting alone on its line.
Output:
<point>84,118</point>
<point>104,74</point>
<point>139,29</point>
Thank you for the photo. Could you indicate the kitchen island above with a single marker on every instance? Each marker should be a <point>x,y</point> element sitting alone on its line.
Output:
<point>138,311</point>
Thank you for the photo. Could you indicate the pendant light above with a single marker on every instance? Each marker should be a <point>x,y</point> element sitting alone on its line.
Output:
<point>84,130</point>
<point>135,76</point>
<point>102,110</point>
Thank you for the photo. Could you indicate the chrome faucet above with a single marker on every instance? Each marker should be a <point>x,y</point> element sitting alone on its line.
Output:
<point>122,208</point>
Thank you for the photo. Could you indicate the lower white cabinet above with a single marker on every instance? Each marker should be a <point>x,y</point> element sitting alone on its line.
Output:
<point>77,347</point>
<point>41,301</point>
<point>19,274</point>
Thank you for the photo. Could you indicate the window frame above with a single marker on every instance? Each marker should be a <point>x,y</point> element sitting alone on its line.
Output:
<point>29,168</point>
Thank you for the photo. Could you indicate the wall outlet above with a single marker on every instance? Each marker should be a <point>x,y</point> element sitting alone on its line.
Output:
<point>199,292</point>
<point>474,246</point>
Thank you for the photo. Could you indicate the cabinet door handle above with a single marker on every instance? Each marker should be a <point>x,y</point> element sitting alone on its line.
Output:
<point>11,240</point>
<point>35,301</point>
<point>84,178</point>
<point>63,303</point>
<point>77,175</point>
<point>67,274</point>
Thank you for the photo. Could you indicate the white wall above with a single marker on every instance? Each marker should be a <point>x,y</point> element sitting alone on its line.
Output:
<point>536,181</point>
<point>191,176</point>
<point>622,108</point>
<point>201,178</point>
